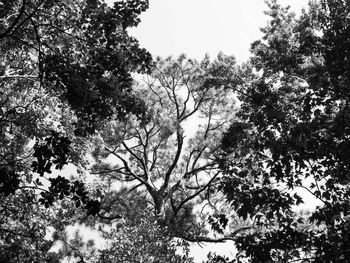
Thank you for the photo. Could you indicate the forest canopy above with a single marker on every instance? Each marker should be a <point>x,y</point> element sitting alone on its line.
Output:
<point>169,151</point>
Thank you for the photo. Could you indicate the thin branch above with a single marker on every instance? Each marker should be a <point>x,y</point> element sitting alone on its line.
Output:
<point>215,240</point>
<point>135,187</point>
<point>307,189</point>
<point>195,109</point>
<point>202,168</point>
<point>26,43</point>
<point>175,98</point>
<point>197,157</point>
<point>183,202</point>
<point>34,188</point>
<point>156,93</point>
<point>19,76</point>
<point>129,150</point>
<point>114,217</point>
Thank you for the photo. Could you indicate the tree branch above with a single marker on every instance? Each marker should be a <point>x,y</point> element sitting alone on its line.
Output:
<point>176,159</point>
<point>215,240</point>
<point>135,155</point>
<point>125,163</point>
<point>19,77</point>
<point>183,202</point>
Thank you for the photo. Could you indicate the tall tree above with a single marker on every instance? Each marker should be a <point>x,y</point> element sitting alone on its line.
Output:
<point>293,133</point>
<point>173,164</point>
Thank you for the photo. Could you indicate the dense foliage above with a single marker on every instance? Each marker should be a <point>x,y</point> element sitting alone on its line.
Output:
<point>293,134</point>
<point>65,67</point>
<point>144,242</point>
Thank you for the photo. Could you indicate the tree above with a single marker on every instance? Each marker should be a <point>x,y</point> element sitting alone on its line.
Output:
<point>65,67</point>
<point>174,165</point>
<point>293,133</point>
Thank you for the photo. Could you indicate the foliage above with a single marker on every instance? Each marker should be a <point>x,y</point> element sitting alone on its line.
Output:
<point>213,258</point>
<point>79,51</point>
<point>23,222</point>
<point>293,134</point>
<point>23,229</point>
<point>65,67</point>
<point>145,242</point>
<point>74,247</point>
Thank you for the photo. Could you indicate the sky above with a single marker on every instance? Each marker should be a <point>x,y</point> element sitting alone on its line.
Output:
<point>197,27</point>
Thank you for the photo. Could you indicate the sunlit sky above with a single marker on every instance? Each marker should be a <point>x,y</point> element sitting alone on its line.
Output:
<point>197,27</point>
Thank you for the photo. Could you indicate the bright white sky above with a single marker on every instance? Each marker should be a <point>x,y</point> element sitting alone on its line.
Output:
<point>197,27</point>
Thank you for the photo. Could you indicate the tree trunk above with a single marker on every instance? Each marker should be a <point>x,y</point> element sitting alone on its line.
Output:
<point>159,206</point>
<point>159,202</point>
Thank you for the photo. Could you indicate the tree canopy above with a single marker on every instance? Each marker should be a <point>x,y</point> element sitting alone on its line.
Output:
<point>170,150</point>
<point>293,134</point>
